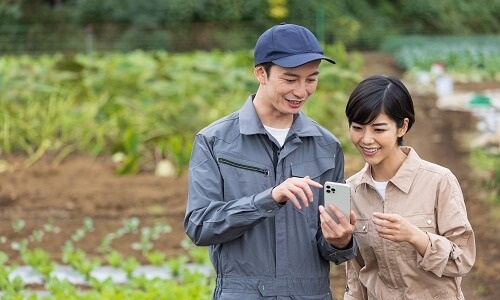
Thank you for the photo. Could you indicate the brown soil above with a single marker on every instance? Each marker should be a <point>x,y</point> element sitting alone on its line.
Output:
<point>81,186</point>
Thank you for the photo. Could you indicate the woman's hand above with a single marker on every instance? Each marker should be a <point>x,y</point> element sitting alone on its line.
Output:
<point>398,229</point>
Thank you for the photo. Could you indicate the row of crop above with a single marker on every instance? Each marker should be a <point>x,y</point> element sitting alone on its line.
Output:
<point>177,281</point>
<point>467,58</point>
<point>144,106</point>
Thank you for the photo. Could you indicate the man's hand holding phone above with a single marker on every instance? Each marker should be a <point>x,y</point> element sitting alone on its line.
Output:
<point>337,218</point>
<point>337,234</point>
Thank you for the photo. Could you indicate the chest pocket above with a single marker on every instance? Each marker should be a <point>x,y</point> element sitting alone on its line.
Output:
<point>243,177</point>
<point>233,168</point>
<point>427,223</point>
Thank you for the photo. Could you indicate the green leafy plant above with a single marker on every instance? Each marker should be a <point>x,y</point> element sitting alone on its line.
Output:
<point>156,257</point>
<point>60,289</point>
<point>18,225</point>
<point>129,265</point>
<point>78,259</point>
<point>40,260</point>
<point>114,259</point>
<point>12,289</point>
<point>176,263</point>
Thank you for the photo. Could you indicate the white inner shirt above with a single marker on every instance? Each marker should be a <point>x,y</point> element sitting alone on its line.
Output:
<point>278,134</point>
<point>381,187</point>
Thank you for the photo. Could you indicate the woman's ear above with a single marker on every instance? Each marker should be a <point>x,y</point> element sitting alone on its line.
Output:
<point>260,74</point>
<point>402,131</point>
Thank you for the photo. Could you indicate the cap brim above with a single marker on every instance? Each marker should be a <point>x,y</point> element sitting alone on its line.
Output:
<point>300,59</point>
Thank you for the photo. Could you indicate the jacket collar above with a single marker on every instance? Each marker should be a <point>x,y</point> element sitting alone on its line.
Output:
<point>403,178</point>
<point>250,122</point>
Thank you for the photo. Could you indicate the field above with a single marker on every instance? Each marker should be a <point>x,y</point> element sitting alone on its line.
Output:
<point>88,187</point>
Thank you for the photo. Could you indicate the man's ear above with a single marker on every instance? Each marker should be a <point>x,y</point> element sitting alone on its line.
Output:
<point>260,74</point>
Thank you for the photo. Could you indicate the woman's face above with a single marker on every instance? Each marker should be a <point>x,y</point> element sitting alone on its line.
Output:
<point>378,141</point>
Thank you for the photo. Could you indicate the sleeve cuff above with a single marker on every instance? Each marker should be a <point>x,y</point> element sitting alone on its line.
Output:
<point>265,203</point>
<point>339,256</point>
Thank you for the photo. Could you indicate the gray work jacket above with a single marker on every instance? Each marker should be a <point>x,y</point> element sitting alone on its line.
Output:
<point>261,249</point>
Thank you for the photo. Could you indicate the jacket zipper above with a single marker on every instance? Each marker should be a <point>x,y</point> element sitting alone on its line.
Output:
<point>383,243</point>
<point>241,166</point>
<point>380,197</point>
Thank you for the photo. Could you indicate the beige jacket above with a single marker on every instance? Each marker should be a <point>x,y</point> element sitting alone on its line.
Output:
<point>430,197</point>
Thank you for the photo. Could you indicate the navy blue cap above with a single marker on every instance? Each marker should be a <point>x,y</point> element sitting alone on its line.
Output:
<point>288,46</point>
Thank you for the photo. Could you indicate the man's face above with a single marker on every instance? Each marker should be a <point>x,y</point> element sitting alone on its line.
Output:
<point>285,90</point>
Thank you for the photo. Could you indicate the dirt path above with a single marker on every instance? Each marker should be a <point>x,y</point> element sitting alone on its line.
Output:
<point>83,186</point>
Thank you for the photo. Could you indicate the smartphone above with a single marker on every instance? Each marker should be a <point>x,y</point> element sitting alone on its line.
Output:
<point>338,194</point>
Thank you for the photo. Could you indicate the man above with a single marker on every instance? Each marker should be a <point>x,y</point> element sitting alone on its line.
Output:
<point>255,180</point>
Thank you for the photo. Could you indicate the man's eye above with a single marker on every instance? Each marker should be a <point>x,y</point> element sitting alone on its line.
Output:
<point>290,80</point>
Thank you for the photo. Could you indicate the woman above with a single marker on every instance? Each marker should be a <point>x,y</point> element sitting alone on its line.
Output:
<point>414,238</point>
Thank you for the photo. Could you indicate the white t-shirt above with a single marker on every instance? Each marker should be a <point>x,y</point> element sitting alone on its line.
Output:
<point>380,186</point>
<point>278,134</point>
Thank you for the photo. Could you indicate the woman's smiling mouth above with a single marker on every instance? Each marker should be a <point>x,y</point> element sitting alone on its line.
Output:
<point>369,151</point>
